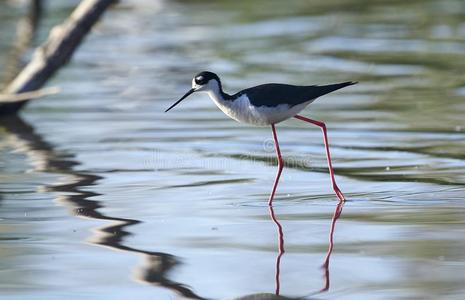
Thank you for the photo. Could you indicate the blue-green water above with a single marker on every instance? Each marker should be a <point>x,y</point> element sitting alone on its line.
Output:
<point>102,195</point>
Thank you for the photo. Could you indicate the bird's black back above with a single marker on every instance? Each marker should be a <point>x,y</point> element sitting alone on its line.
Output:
<point>273,94</point>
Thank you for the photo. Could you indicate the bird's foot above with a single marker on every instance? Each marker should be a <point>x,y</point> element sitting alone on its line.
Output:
<point>338,192</point>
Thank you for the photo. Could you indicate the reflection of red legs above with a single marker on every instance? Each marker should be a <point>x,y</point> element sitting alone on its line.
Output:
<point>336,215</point>
<point>280,165</point>
<point>280,247</point>
<point>328,156</point>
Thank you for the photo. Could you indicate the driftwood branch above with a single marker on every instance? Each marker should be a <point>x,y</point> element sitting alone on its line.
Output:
<point>55,52</point>
<point>25,34</point>
<point>29,95</point>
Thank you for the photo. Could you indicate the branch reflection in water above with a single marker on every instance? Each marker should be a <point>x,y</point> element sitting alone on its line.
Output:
<point>157,265</point>
<point>45,159</point>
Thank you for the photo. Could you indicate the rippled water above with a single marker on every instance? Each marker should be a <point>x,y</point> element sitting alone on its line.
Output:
<point>102,195</point>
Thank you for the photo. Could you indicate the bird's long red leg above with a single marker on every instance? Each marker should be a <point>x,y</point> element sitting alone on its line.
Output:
<point>280,165</point>
<point>328,156</point>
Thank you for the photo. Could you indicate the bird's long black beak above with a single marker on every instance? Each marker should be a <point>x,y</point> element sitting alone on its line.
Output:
<point>183,97</point>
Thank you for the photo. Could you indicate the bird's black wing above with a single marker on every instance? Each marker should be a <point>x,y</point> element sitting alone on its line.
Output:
<point>273,94</point>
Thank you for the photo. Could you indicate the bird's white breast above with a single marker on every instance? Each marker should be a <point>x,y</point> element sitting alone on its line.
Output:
<point>243,111</point>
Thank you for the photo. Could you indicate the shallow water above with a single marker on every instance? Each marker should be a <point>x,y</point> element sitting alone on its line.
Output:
<point>102,195</point>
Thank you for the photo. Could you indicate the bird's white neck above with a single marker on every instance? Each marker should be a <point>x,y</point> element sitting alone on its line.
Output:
<point>216,96</point>
<point>213,89</point>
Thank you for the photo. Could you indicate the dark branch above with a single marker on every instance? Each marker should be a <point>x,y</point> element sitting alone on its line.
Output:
<point>55,52</point>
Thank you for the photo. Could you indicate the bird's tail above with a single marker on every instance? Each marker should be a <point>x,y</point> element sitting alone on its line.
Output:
<point>326,89</point>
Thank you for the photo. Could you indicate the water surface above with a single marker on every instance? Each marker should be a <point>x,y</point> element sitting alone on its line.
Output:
<point>102,195</point>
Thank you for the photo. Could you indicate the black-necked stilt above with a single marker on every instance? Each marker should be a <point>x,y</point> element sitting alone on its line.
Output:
<point>267,104</point>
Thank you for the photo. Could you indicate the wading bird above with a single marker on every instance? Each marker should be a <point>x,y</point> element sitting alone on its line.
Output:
<point>267,105</point>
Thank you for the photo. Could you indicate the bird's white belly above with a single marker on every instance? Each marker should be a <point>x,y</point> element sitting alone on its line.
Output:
<point>243,111</point>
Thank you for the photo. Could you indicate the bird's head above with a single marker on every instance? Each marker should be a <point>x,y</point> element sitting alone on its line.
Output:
<point>202,82</point>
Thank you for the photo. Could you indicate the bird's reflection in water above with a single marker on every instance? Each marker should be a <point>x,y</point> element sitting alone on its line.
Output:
<point>337,213</point>
<point>280,249</point>
<point>157,265</point>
